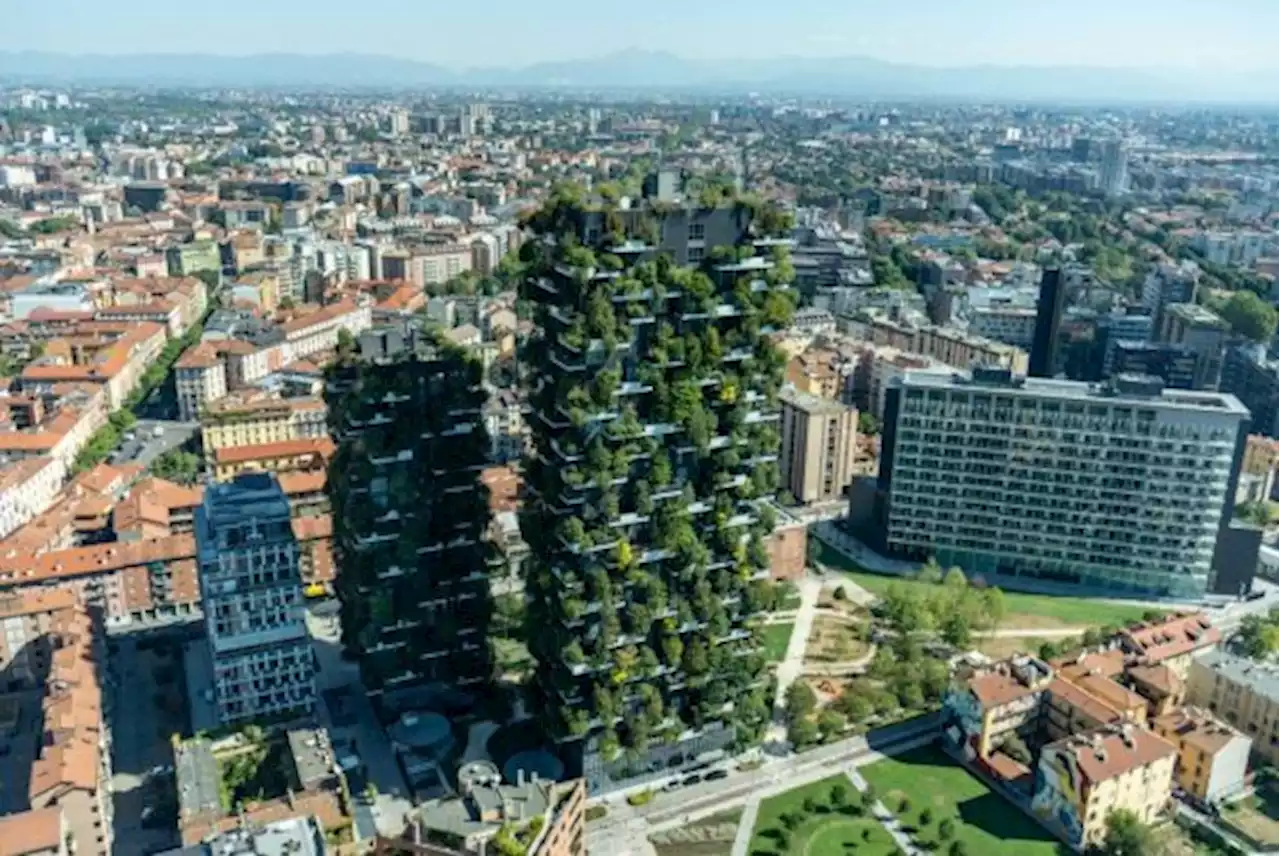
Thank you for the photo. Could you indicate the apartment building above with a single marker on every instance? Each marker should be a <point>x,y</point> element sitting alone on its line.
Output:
<point>548,818</point>
<point>878,366</point>
<point>1122,487</point>
<point>113,355</point>
<point>317,331</point>
<point>436,264</point>
<point>255,419</point>
<point>200,378</point>
<point>248,560</point>
<point>26,641</point>
<point>66,792</point>
<point>1243,692</point>
<point>1082,779</point>
<point>305,455</point>
<point>1201,330</point>
<point>410,513</point>
<point>56,436</point>
<point>819,446</point>
<point>35,833</point>
<point>1213,757</point>
<point>28,487</point>
<point>949,345</point>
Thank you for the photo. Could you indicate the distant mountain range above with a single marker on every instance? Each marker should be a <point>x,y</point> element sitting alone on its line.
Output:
<point>639,69</point>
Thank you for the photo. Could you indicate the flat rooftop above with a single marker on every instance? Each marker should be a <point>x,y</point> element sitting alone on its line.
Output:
<point>1070,390</point>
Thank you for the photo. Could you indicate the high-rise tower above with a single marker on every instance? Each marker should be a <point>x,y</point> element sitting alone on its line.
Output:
<point>655,425</point>
<point>409,516</point>
<point>252,592</point>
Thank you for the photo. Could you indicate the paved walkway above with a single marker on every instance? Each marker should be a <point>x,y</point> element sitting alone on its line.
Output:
<point>793,661</point>
<point>886,817</point>
<point>746,826</point>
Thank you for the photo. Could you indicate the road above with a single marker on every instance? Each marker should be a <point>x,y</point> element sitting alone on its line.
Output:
<point>146,446</point>
<point>145,706</point>
<point>625,830</point>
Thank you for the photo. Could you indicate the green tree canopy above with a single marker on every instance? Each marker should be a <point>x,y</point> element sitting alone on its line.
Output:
<point>1249,316</point>
<point>1127,835</point>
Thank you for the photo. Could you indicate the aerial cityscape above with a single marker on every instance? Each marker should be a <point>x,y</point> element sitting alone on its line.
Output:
<point>663,453</point>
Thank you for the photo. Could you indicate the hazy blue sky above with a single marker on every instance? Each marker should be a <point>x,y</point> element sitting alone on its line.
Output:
<point>1230,35</point>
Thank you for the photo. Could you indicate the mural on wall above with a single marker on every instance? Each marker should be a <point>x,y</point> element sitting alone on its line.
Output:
<point>964,714</point>
<point>1058,794</point>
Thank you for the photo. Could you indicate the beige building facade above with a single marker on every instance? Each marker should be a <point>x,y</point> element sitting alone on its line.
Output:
<point>819,446</point>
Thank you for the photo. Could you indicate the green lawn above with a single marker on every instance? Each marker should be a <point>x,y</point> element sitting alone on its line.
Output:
<point>1071,611</point>
<point>987,823</point>
<point>820,832</point>
<point>776,639</point>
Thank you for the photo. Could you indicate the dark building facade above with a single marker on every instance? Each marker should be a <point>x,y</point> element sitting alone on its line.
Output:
<point>1251,376</point>
<point>1044,345</point>
<point>1174,364</point>
<point>409,517</point>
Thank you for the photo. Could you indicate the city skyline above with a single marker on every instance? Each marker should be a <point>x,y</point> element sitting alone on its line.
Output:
<point>1189,34</point>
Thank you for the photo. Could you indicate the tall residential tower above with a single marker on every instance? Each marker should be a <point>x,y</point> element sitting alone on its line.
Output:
<point>655,425</point>
<point>409,516</point>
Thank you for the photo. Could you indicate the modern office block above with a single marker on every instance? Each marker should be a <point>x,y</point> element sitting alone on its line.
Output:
<point>409,517</point>
<point>654,393</point>
<point>1173,364</point>
<point>819,446</point>
<point>1044,344</point>
<point>1119,487</point>
<point>1251,376</point>
<point>252,592</point>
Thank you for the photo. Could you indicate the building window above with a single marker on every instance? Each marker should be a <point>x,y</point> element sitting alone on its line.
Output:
<point>695,255</point>
<point>697,231</point>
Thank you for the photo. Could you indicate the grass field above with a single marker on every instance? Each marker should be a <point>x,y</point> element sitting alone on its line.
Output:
<point>1024,610</point>
<point>821,832</point>
<point>776,639</point>
<point>986,822</point>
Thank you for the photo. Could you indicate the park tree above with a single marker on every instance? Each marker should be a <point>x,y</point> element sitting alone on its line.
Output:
<point>801,701</point>
<point>1249,316</point>
<point>802,733</point>
<point>1259,635</point>
<point>1126,835</point>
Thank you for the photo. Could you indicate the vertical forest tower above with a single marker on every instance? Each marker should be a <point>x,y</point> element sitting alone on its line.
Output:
<point>654,391</point>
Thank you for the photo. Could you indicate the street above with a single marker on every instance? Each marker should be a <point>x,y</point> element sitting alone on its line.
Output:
<point>146,692</point>
<point>141,443</point>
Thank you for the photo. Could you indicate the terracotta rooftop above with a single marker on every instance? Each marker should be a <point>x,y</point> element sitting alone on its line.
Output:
<point>1173,637</point>
<point>199,356</point>
<point>302,481</point>
<point>1110,751</point>
<point>31,832</point>
<point>1199,728</point>
<point>322,447</point>
<point>1085,702</point>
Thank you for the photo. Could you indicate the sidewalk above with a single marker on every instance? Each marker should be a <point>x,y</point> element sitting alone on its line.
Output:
<point>793,661</point>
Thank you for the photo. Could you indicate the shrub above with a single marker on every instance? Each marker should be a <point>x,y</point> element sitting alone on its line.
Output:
<point>639,798</point>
